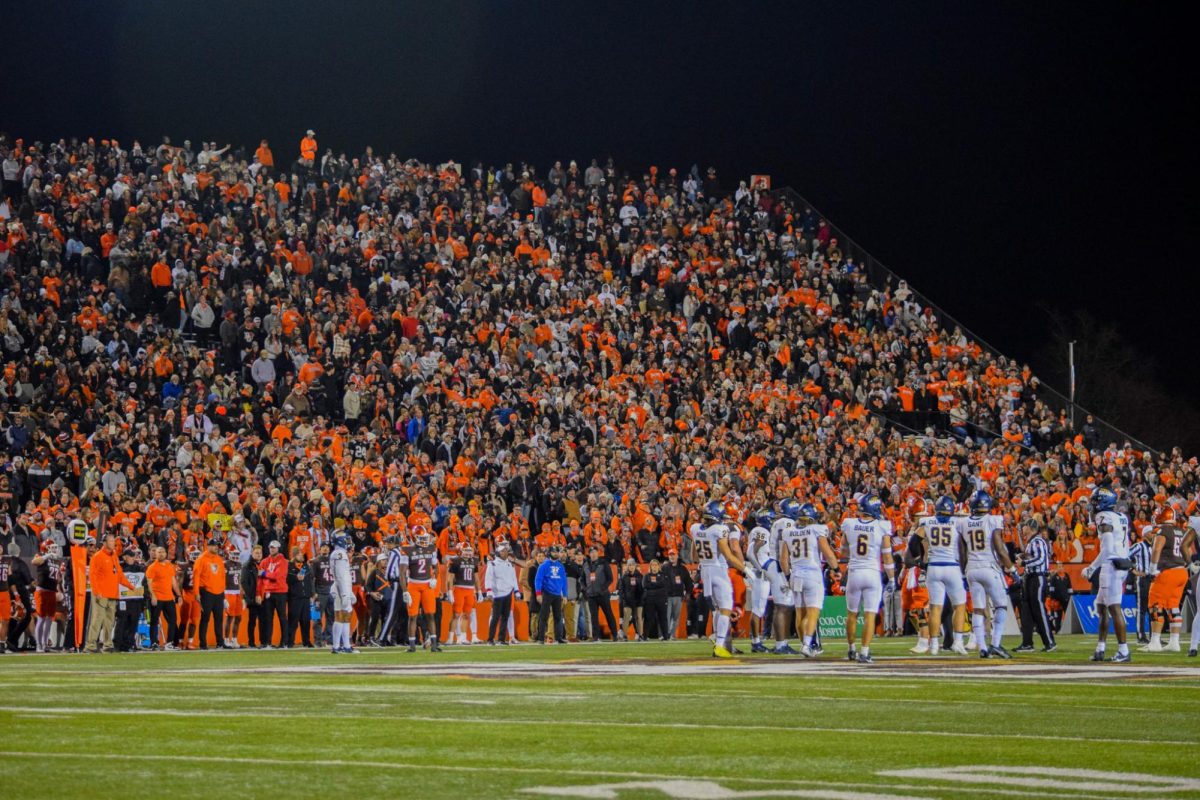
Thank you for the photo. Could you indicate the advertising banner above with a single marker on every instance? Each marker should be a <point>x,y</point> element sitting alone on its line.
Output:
<point>832,623</point>
<point>1089,618</point>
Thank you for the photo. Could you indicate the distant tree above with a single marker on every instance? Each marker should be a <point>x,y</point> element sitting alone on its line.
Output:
<point>1117,382</point>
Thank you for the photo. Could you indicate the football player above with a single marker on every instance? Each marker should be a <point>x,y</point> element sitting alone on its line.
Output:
<point>716,556</point>
<point>945,551</point>
<point>343,593</point>
<point>759,553</point>
<point>785,620</point>
<point>986,555</point>
<point>235,607</point>
<point>862,542</point>
<point>48,566</point>
<point>1169,558</point>
<point>1113,563</point>
<point>466,586</point>
<point>802,547</point>
<point>189,607</point>
<point>6,609</point>
<point>419,585</point>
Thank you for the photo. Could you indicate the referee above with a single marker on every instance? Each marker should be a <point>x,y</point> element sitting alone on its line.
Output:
<point>396,618</point>
<point>1036,560</point>
<point>1140,554</point>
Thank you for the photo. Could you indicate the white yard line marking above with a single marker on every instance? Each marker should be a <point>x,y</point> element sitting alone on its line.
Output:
<point>1062,778</point>
<point>1172,704</point>
<point>580,773</point>
<point>224,713</point>
<point>1042,673</point>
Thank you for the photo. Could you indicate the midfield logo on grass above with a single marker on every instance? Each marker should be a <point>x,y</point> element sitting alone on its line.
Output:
<point>680,789</point>
<point>832,622</point>
<point>1026,781</point>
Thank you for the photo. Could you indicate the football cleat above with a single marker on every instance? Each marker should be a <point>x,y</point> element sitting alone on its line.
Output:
<point>786,650</point>
<point>851,655</point>
<point>1121,658</point>
<point>1050,648</point>
<point>1171,648</point>
<point>983,653</point>
<point>1000,652</point>
<point>412,648</point>
<point>865,658</point>
<point>807,651</point>
<point>435,647</point>
<point>721,652</point>
<point>921,649</point>
<point>1025,648</point>
<point>958,648</point>
<point>758,647</point>
<point>1192,653</point>
<point>1097,656</point>
<point>1155,646</point>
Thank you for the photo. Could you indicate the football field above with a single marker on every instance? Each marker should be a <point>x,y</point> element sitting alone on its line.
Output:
<point>598,721</point>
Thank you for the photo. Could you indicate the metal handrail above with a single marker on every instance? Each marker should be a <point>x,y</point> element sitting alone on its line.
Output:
<point>879,274</point>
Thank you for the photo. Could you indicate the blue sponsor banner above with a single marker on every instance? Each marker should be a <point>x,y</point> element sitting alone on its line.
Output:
<point>1089,618</point>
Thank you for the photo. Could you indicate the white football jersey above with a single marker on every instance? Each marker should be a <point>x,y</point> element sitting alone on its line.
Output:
<point>759,547</point>
<point>777,529</point>
<point>343,583</point>
<point>804,550</point>
<point>1113,530</point>
<point>941,540</point>
<point>708,550</point>
<point>977,533</point>
<point>864,540</point>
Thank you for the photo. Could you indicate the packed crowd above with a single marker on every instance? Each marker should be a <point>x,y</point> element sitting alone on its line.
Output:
<point>204,346</point>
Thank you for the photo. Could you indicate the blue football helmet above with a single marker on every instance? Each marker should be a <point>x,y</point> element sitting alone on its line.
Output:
<point>714,511</point>
<point>870,506</point>
<point>764,517</point>
<point>981,503</point>
<point>790,509</point>
<point>808,511</point>
<point>343,541</point>
<point>1104,499</point>
<point>943,509</point>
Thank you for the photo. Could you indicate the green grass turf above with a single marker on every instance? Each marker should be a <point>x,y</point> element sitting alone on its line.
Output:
<point>303,723</point>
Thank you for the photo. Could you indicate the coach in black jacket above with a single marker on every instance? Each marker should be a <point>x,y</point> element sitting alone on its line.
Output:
<point>654,601</point>
<point>249,584</point>
<point>679,586</point>
<point>598,578</point>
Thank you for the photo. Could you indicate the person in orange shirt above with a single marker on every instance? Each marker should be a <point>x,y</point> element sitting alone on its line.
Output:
<point>308,147</point>
<point>107,578</point>
<point>265,157</point>
<point>161,576</point>
<point>208,574</point>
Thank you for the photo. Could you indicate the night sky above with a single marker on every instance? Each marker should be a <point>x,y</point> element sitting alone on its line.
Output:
<point>1001,158</point>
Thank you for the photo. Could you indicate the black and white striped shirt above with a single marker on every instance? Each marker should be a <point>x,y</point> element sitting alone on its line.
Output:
<point>1037,556</point>
<point>392,570</point>
<point>1139,554</point>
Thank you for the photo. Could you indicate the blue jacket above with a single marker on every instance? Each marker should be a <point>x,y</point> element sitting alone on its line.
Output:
<point>551,578</point>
